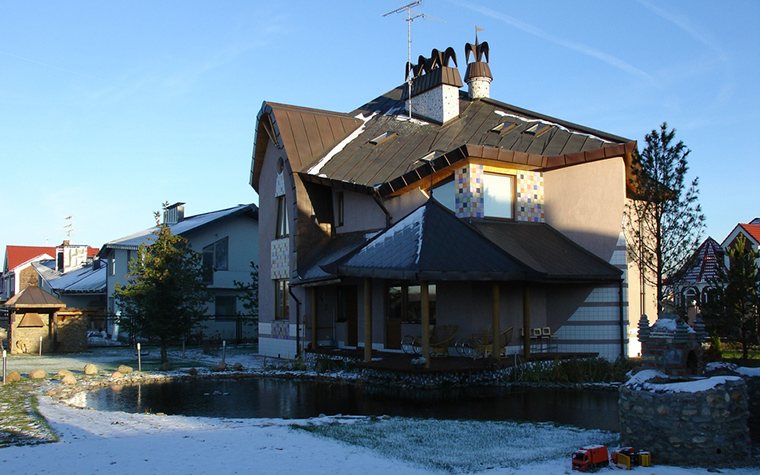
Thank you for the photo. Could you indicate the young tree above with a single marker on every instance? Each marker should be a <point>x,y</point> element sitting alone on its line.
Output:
<point>664,222</point>
<point>732,310</point>
<point>165,296</point>
<point>249,294</point>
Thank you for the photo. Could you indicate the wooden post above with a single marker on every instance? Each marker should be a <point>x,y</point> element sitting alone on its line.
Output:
<point>425,309</point>
<point>526,321</point>
<point>495,320</point>
<point>367,320</point>
<point>314,336</point>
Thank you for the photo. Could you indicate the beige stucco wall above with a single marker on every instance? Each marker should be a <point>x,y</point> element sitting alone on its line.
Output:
<point>586,203</point>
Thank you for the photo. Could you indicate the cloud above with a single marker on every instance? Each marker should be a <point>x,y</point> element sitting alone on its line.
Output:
<point>578,47</point>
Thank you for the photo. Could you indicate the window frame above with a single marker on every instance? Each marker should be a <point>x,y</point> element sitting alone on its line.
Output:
<point>281,299</point>
<point>408,308</point>
<point>513,187</point>
<point>226,317</point>
<point>282,226</point>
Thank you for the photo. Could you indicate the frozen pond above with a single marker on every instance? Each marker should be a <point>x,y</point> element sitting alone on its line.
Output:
<point>283,398</point>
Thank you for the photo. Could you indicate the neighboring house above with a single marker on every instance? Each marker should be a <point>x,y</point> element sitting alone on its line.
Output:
<point>524,229</point>
<point>19,273</point>
<point>228,241</point>
<point>751,233</point>
<point>691,284</point>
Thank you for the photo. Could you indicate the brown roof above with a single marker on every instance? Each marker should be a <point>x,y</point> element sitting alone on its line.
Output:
<point>34,296</point>
<point>485,129</point>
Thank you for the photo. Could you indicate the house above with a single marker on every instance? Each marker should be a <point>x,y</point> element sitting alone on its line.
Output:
<point>690,286</point>
<point>18,271</point>
<point>431,205</point>
<point>228,241</point>
<point>751,233</point>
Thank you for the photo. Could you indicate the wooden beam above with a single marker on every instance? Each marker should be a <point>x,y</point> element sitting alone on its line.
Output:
<point>425,301</point>
<point>495,320</point>
<point>526,321</point>
<point>314,336</point>
<point>367,320</point>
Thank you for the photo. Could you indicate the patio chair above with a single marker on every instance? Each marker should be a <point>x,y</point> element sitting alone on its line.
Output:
<point>440,338</point>
<point>484,344</point>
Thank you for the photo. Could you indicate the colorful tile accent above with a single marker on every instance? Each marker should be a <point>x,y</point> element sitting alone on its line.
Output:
<point>281,329</point>
<point>529,202</point>
<point>280,253</point>
<point>279,187</point>
<point>469,191</point>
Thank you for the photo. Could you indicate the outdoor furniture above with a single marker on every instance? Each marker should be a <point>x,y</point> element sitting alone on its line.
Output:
<point>440,338</point>
<point>481,345</point>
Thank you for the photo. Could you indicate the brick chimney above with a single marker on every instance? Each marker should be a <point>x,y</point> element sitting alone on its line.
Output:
<point>174,214</point>
<point>434,87</point>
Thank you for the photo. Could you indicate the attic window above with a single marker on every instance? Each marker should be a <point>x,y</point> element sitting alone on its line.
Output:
<point>382,138</point>
<point>537,129</point>
<point>504,127</point>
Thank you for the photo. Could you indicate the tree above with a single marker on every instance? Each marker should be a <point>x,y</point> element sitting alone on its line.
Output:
<point>165,296</point>
<point>249,294</point>
<point>732,310</point>
<point>664,221</point>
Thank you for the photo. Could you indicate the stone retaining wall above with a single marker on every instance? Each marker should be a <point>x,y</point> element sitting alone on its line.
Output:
<point>696,423</point>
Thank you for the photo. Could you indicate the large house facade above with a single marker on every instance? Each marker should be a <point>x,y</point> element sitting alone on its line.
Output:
<point>431,205</point>
<point>227,240</point>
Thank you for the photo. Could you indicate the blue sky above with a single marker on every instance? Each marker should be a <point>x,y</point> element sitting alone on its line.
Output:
<point>108,109</point>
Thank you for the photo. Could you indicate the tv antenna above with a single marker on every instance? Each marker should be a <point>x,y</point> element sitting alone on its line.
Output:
<point>409,19</point>
<point>68,228</point>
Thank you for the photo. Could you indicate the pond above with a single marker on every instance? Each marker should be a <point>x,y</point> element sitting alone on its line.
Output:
<point>284,398</point>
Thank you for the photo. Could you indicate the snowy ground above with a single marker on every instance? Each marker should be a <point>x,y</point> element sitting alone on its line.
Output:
<point>116,442</point>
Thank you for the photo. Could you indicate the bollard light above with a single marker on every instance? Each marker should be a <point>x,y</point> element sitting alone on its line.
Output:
<point>3,366</point>
<point>40,346</point>
<point>224,351</point>
<point>139,365</point>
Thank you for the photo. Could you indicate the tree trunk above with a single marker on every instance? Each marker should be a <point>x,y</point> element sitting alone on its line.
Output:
<point>164,350</point>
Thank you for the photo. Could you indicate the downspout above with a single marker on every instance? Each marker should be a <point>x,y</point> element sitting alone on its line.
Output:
<point>298,322</point>
<point>379,202</point>
<point>622,322</point>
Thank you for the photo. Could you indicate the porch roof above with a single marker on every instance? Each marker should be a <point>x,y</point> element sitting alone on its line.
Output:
<point>34,297</point>
<point>431,244</point>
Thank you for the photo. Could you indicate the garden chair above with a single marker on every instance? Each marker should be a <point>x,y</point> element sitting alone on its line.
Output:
<point>440,338</point>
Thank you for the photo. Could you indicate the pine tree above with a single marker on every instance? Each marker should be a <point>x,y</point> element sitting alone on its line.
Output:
<point>249,294</point>
<point>664,222</point>
<point>165,296</point>
<point>732,309</point>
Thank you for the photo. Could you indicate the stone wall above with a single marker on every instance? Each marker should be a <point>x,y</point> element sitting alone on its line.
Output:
<point>71,332</point>
<point>702,422</point>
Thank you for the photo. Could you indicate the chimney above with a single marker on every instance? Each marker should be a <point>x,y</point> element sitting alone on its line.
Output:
<point>434,86</point>
<point>478,75</point>
<point>174,214</point>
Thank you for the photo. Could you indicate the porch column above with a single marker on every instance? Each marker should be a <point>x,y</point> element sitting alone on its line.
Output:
<point>425,309</point>
<point>526,321</point>
<point>495,320</point>
<point>367,320</point>
<point>314,336</point>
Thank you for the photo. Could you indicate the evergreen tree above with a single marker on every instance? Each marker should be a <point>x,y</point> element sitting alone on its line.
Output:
<point>664,222</point>
<point>165,296</point>
<point>732,310</point>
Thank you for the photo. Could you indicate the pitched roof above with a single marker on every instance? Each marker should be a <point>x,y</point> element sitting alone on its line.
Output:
<point>87,279</point>
<point>34,296</point>
<point>701,266</point>
<point>524,138</point>
<point>17,255</point>
<point>547,251</point>
<point>189,224</point>
<point>430,244</point>
<point>752,230</point>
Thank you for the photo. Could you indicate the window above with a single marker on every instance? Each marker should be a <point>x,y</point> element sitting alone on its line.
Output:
<point>282,218</point>
<point>215,257</point>
<point>224,308</point>
<point>405,302</point>
<point>341,209</point>
<point>282,301</point>
<point>446,194</point>
<point>499,195</point>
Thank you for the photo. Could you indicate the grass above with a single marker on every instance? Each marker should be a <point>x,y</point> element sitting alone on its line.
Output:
<point>462,446</point>
<point>20,422</point>
<point>573,370</point>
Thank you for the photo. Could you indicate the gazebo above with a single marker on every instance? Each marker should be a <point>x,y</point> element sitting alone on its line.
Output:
<point>32,320</point>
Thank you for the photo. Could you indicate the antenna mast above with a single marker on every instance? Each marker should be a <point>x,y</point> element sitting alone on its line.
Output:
<point>409,20</point>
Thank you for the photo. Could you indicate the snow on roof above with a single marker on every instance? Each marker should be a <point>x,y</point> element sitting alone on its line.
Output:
<point>188,224</point>
<point>85,279</point>
<point>342,144</point>
<point>641,381</point>
<point>547,122</point>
